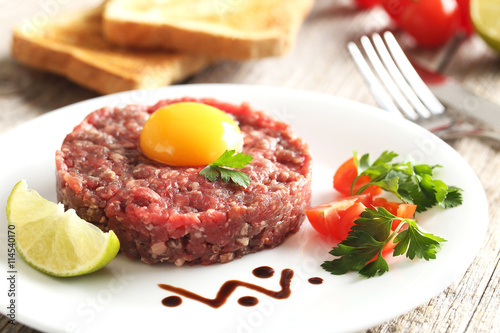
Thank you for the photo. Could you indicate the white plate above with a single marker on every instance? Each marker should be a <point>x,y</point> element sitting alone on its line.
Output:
<point>124,296</point>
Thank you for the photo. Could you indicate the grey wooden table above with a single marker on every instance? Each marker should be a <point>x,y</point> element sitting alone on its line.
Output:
<point>320,63</point>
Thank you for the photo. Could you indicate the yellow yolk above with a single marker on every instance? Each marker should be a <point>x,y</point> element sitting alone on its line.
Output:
<point>189,134</point>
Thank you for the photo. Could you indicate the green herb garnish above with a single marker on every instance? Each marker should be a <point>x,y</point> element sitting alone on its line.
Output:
<point>412,184</point>
<point>368,237</point>
<point>229,160</point>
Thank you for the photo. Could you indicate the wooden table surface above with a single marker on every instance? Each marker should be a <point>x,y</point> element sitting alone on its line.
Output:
<point>319,63</point>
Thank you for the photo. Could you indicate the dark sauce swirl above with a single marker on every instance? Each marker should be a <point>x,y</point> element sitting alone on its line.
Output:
<point>229,287</point>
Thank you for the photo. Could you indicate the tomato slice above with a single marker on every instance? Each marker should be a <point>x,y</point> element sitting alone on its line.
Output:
<point>335,218</point>
<point>347,220</point>
<point>403,210</point>
<point>392,207</point>
<point>345,176</point>
<point>326,218</point>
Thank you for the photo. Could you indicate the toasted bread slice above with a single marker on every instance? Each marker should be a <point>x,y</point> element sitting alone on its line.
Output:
<point>73,46</point>
<point>237,29</point>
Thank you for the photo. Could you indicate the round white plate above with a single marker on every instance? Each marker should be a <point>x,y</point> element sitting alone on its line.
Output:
<point>125,295</point>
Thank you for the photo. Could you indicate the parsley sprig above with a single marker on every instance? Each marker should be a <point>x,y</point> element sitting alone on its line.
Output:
<point>412,184</point>
<point>368,237</point>
<point>229,160</point>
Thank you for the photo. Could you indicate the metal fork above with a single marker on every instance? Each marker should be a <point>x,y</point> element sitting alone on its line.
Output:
<point>405,93</point>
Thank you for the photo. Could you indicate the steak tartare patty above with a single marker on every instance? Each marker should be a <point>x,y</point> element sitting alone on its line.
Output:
<point>162,213</point>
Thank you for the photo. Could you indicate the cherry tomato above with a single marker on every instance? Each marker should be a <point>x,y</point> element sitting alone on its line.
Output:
<point>347,220</point>
<point>395,8</point>
<point>345,176</point>
<point>403,210</point>
<point>431,22</point>
<point>325,218</point>
<point>465,20</point>
<point>392,207</point>
<point>351,214</point>
<point>366,4</point>
<point>335,219</point>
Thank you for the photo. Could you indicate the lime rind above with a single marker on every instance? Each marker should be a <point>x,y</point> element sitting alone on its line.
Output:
<point>485,16</point>
<point>56,242</point>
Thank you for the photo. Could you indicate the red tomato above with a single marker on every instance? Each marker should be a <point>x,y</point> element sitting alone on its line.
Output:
<point>336,218</point>
<point>344,177</point>
<point>395,8</point>
<point>465,20</point>
<point>326,218</point>
<point>431,22</point>
<point>366,4</point>
<point>403,210</point>
<point>392,207</point>
<point>347,220</point>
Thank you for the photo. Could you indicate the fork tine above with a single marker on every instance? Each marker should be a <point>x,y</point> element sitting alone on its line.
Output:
<point>398,77</point>
<point>378,91</point>
<point>420,88</point>
<point>391,87</point>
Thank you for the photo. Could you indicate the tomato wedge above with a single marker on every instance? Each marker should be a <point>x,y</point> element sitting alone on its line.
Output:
<point>335,218</point>
<point>403,210</point>
<point>345,176</point>
<point>347,220</point>
<point>325,218</point>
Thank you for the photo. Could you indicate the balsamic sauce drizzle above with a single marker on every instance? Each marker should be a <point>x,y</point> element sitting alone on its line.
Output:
<point>229,287</point>
<point>263,272</point>
<point>172,301</point>
<point>315,280</point>
<point>248,301</point>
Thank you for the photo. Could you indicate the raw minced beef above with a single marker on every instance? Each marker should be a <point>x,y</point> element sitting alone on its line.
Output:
<point>173,214</point>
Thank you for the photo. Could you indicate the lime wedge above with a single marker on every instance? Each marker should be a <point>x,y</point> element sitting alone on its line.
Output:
<point>56,242</point>
<point>485,15</point>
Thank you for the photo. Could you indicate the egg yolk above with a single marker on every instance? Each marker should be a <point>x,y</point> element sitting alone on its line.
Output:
<point>189,134</point>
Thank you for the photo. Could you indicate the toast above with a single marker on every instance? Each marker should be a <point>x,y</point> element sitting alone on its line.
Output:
<point>72,45</point>
<point>234,29</point>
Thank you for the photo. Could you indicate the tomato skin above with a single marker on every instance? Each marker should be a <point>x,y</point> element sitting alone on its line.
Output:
<point>345,176</point>
<point>366,4</point>
<point>465,21</point>
<point>326,218</point>
<point>403,210</point>
<point>391,207</point>
<point>347,220</point>
<point>335,218</point>
<point>431,22</point>
<point>406,211</point>
<point>395,8</point>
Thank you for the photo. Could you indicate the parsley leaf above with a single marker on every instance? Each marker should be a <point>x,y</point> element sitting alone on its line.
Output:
<point>453,197</point>
<point>368,237</point>
<point>415,242</point>
<point>412,184</point>
<point>229,160</point>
